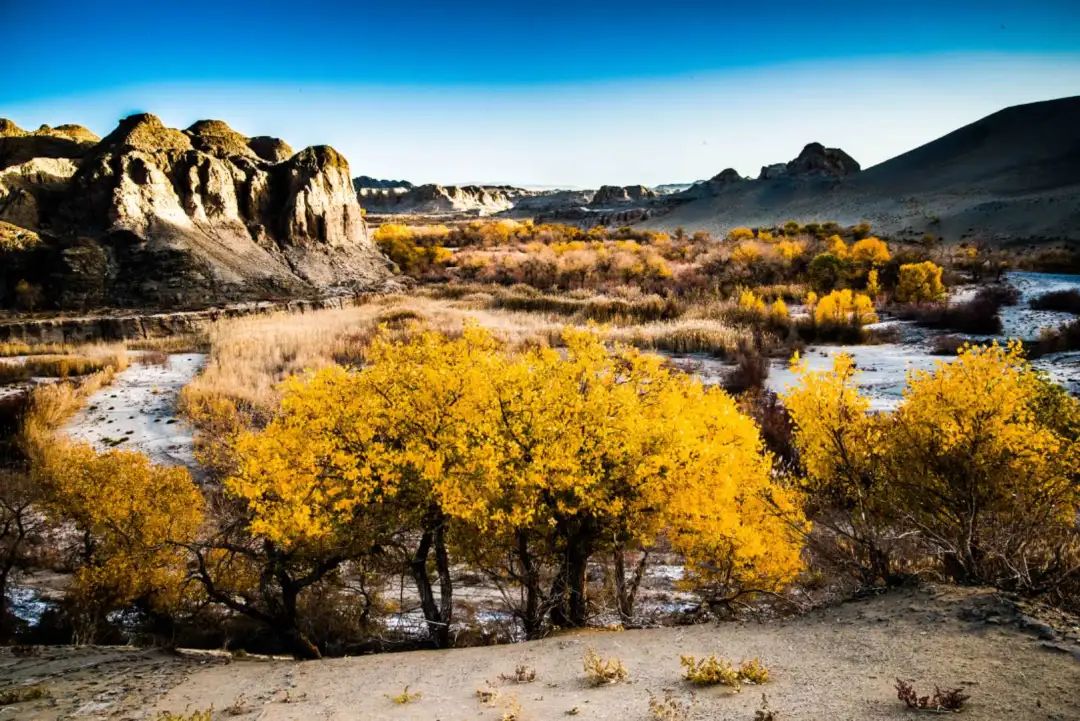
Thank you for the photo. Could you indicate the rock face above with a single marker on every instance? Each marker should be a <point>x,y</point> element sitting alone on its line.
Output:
<point>815,160</point>
<point>433,199</point>
<point>154,214</point>
<point>18,146</point>
<point>610,195</point>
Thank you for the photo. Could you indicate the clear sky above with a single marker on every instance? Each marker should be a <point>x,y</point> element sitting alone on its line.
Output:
<point>554,93</point>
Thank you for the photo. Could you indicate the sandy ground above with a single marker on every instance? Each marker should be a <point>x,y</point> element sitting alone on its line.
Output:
<point>138,411</point>
<point>833,664</point>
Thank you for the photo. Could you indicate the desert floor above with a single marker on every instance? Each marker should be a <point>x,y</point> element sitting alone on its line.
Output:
<point>831,664</point>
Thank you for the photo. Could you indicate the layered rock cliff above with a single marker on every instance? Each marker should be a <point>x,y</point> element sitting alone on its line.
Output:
<point>441,199</point>
<point>151,214</point>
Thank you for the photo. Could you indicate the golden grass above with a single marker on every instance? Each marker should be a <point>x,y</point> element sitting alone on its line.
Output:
<point>249,357</point>
<point>80,361</point>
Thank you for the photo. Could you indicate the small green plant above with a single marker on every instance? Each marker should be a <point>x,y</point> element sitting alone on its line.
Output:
<point>404,697</point>
<point>600,671</point>
<point>19,694</point>
<point>949,699</point>
<point>521,674</point>
<point>669,708</point>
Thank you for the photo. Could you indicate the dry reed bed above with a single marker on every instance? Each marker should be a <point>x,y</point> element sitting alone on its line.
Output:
<point>74,361</point>
<point>250,356</point>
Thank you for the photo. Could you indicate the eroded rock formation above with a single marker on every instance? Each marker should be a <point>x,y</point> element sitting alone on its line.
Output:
<point>155,214</point>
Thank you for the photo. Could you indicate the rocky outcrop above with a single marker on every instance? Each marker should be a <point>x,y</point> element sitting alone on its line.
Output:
<point>31,189</point>
<point>155,214</point>
<point>18,146</point>
<point>815,160</point>
<point>726,178</point>
<point>366,181</point>
<point>609,195</point>
<point>441,199</point>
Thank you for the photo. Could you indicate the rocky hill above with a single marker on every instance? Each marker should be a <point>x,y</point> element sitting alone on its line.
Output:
<point>431,199</point>
<point>1012,176</point>
<point>155,215</point>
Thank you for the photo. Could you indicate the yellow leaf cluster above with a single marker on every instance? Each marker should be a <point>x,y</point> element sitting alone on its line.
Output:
<point>919,282</point>
<point>844,307</point>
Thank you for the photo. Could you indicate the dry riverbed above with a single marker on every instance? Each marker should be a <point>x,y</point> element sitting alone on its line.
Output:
<point>835,663</point>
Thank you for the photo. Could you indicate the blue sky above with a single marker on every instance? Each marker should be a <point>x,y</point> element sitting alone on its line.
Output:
<point>547,93</point>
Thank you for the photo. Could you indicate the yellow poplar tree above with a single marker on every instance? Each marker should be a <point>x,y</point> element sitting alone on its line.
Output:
<point>133,519</point>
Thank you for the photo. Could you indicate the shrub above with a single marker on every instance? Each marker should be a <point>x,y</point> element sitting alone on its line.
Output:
<point>204,715</point>
<point>600,671</point>
<point>521,674</point>
<point>978,458</point>
<point>919,282</point>
<point>710,671</point>
<point>753,671</point>
<point>870,251</point>
<point>404,697</point>
<point>825,272</point>
<point>1067,301</point>
<point>950,699</point>
<point>668,708</point>
<point>844,308</point>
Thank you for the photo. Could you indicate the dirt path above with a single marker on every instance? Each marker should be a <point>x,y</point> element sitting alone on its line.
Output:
<point>833,664</point>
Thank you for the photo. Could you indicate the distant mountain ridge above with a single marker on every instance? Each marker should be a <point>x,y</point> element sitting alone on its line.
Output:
<point>1011,176</point>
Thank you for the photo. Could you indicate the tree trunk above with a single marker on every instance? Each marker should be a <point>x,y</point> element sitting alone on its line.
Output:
<point>571,603</point>
<point>626,589</point>
<point>437,613</point>
<point>532,616</point>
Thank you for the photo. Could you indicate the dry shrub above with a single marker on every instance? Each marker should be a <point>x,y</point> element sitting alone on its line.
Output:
<point>669,708</point>
<point>204,715</point>
<point>521,674</point>
<point>1067,301</point>
<point>21,694</point>
<point>712,671</point>
<point>405,697</point>
<point>81,362</point>
<point>949,699</point>
<point>600,671</point>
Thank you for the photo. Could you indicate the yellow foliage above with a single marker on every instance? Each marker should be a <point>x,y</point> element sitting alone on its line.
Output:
<point>600,671</point>
<point>919,282</point>
<point>870,251</point>
<point>873,289</point>
<point>789,250</point>
<point>741,233</point>
<point>749,301</point>
<point>483,432</point>
<point>745,254</point>
<point>133,512</point>
<point>978,455</point>
<point>709,671</point>
<point>843,307</point>
<point>778,311</point>
<point>838,247</point>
